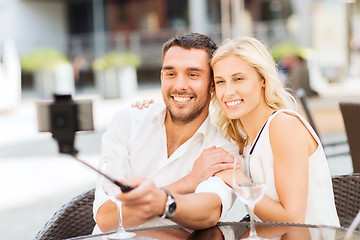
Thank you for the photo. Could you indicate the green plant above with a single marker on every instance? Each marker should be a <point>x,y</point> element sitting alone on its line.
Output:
<point>116,60</point>
<point>42,59</point>
<point>285,49</point>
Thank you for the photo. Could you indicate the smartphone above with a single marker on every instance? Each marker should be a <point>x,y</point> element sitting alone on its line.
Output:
<point>84,116</point>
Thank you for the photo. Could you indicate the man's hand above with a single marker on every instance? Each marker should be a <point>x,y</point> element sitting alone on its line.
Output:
<point>145,201</point>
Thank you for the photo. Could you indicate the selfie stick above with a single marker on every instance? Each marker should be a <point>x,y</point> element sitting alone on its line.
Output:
<point>123,186</point>
<point>64,124</point>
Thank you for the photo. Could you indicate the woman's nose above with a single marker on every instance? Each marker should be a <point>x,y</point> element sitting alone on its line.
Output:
<point>229,89</point>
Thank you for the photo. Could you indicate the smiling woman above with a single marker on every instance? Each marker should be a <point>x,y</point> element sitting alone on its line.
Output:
<point>253,108</point>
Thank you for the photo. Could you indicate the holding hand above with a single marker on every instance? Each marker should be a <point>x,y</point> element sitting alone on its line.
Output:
<point>145,201</point>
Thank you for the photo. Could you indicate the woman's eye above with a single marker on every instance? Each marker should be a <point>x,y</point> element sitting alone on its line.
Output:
<point>238,78</point>
<point>219,82</point>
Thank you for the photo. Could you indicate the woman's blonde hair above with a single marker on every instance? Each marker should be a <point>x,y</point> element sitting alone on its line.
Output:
<point>256,54</point>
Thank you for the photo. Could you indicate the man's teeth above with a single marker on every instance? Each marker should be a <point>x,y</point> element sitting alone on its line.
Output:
<point>182,99</point>
<point>231,104</point>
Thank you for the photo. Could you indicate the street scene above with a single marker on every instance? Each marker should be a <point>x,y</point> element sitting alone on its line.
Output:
<point>109,52</point>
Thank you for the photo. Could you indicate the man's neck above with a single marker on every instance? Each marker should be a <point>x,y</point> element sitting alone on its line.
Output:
<point>178,133</point>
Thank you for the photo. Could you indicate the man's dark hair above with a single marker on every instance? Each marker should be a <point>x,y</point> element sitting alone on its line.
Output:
<point>191,40</point>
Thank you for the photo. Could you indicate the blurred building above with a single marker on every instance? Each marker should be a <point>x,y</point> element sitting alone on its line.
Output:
<point>91,28</point>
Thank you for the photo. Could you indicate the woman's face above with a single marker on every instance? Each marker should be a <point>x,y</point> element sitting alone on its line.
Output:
<point>239,87</point>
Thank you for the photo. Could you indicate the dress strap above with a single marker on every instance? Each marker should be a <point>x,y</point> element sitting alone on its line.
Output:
<point>258,136</point>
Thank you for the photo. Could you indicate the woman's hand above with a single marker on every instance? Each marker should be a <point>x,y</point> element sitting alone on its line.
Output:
<point>211,161</point>
<point>141,105</point>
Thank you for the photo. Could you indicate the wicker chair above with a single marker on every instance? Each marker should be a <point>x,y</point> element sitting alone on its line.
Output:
<point>334,148</point>
<point>73,219</point>
<point>351,117</point>
<point>347,197</point>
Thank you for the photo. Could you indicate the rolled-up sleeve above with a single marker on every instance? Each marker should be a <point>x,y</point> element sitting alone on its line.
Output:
<point>219,187</point>
<point>114,144</point>
<point>100,199</point>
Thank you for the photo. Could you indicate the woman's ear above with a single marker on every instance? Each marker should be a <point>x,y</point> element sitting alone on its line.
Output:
<point>263,84</point>
<point>212,86</point>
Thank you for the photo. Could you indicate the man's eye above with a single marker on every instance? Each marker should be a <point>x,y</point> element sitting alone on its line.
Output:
<point>193,75</point>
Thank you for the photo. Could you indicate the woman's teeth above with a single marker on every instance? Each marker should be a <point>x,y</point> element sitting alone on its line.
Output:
<point>234,103</point>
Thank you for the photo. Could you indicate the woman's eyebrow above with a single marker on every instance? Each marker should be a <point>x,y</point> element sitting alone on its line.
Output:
<point>238,73</point>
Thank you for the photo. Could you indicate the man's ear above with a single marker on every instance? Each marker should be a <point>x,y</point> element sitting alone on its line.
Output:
<point>161,74</point>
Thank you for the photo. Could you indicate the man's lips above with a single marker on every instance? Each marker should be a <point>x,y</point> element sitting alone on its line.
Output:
<point>180,99</point>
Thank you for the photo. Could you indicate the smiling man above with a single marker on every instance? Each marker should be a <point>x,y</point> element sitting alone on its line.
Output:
<point>171,145</point>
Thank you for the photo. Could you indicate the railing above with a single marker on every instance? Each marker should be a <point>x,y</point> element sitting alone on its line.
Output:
<point>148,45</point>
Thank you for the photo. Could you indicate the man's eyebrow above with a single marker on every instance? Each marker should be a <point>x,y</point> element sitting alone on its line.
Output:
<point>167,67</point>
<point>195,69</point>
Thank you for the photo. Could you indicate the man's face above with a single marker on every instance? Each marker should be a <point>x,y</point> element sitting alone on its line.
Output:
<point>185,83</point>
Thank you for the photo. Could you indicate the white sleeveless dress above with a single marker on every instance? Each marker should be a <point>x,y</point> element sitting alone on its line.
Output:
<point>321,208</point>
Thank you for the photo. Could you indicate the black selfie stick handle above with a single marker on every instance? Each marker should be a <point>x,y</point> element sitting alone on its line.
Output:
<point>63,122</point>
<point>123,186</point>
<point>64,125</point>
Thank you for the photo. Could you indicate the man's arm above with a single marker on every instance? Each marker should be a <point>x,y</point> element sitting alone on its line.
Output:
<point>195,211</point>
<point>142,206</point>
<point>114,143</point>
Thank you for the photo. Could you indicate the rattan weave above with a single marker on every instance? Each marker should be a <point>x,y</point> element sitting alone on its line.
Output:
<point>347,197</point>
<point>73,219</point>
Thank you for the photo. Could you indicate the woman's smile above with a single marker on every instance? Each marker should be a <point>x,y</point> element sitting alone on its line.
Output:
<point>233,103</point>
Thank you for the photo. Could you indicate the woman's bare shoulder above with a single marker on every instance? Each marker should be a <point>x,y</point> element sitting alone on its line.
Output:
<point>284,127</point>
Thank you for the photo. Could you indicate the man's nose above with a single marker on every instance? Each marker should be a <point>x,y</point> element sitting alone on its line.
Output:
<point>181,82</point>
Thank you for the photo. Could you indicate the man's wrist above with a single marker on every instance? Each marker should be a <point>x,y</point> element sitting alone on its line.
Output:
<point>170,205</point>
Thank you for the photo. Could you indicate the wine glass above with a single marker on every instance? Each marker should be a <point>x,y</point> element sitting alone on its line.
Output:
<point>249,185</point>
<point>115,169</point>
<point>355,224</point>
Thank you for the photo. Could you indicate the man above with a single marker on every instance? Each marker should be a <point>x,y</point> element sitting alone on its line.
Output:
<point>162,142</point>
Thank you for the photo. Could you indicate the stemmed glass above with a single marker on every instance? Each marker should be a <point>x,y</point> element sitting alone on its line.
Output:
<point>249,185</point>
<point>355,223</point>
<point>115,170</point>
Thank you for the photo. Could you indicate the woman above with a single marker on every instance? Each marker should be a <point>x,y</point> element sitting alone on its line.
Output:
<point>250,102</point>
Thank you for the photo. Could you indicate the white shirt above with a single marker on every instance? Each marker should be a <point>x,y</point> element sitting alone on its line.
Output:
<point>320,203</point>
<point>139,137</point>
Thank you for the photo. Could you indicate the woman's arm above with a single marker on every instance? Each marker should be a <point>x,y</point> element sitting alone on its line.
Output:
<point>211,161</point>
<point>290,171</point>
<point>292,145</point>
